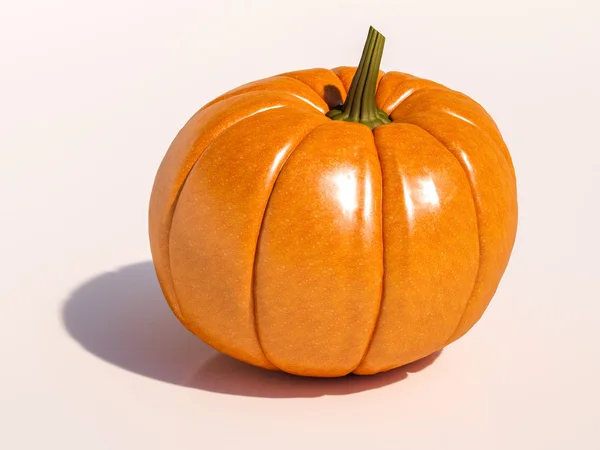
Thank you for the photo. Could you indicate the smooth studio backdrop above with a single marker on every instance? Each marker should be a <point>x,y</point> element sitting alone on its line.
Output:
<point>91,95</point>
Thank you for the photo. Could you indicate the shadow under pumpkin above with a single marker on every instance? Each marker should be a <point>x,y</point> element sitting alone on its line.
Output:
<point>123,318</point>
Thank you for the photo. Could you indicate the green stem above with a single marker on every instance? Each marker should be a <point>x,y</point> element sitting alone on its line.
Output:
<point>360,103</point>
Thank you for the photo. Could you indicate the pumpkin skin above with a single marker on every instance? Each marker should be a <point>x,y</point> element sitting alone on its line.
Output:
<point>317,247</point>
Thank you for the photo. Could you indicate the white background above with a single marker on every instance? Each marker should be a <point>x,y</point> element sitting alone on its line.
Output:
<point>91,95</point>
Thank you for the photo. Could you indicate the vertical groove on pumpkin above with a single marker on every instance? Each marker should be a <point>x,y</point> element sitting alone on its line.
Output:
<point>261,88</point>
<point>258,238</point>
<point>309,87</point>
<point>478,219</point>
<point>378,315</point>
<point>505,154</point>
<point>410,94</point>
<point>172,211</point>
<point>498,150</point>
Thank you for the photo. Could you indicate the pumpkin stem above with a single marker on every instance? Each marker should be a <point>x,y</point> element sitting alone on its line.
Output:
<point>360,103</point>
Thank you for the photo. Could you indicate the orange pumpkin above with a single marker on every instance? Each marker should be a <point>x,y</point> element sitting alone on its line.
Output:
<point>291,236</point>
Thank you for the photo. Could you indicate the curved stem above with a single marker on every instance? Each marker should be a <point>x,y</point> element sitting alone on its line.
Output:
<point>360,103</point>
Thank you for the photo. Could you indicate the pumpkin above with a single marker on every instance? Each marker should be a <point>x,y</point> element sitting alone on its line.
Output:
<point>323,222</point>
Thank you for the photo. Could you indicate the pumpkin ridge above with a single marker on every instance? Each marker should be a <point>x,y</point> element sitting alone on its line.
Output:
<point>175,201</point>
<point>385,99</point>
<point>413,92</point>
<point>309,87</point>
<point>260,230</point>
<point>505,155</point>
<point>510,166</point>
<point>189,143</point>
<point>477,220</point>
<point>308,102</point>
<point>378,315</point>
<point>224,97</point>
<point>341,82</point>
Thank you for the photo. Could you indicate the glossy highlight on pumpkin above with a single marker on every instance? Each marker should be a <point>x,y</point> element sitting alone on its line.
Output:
<point>321,247</point>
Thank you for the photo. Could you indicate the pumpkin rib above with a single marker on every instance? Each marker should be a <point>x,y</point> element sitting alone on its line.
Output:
<point>175,201</point>
<point>413,92</point>
<point>323,78</point>
<point>500,245</point>
<point>378,314</point>
<point>400,100</point>
<point>341,82</point>
<point>271,292</point>
<point>386,98</point>
<point>310,87</point>
<point>503,151</point>
<point>336,71</point>
<point>453,337</point>
<point>400,320</point>
<point>256,248</point>
<point>396,80</point>
<point>402,97</point>
<point>231,94</point>
<point>477,217</point>
<point>303,99</point>
<point>499,143</point>
<point>254,354</point>
<point>180,158</point>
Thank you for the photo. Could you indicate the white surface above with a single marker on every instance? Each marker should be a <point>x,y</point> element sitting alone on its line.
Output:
<point>91,95</point>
